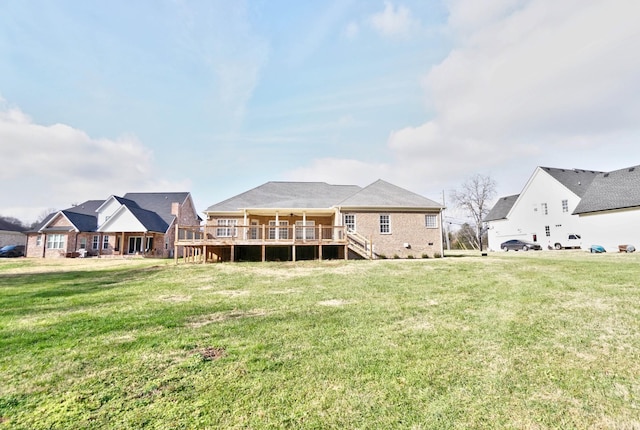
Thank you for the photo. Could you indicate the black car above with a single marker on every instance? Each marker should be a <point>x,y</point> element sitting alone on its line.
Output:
<point>517,245</point>
<point>12,251</point>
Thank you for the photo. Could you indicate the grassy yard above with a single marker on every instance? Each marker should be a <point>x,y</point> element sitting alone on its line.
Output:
<point>513,340</point>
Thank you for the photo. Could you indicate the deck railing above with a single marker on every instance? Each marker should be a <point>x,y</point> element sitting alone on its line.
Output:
<point>260,234</point>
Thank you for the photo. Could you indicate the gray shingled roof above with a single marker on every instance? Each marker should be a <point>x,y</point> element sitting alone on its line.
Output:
<point>613,190</point>
<point>382,194</point>
<point>9,226</point>
<point>150,220</point>
<point>501,209</point>
<point>576,180</point>
<point>273,195</point>
<point>160,203</point>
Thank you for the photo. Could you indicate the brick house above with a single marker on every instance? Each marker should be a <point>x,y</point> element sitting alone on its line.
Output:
<point>136,224</point>
<point>291,221</point>
<point>11,234</point>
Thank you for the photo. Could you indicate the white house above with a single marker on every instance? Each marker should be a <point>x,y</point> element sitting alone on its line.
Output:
<point>609,212</point>
<point>543,211</point>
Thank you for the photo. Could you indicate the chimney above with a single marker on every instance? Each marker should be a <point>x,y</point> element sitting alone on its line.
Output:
<point>175,209</point>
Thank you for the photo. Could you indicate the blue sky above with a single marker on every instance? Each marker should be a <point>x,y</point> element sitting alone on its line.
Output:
<point>216,97</point>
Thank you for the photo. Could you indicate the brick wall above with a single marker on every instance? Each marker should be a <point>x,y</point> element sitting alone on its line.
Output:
<point>405,228</point>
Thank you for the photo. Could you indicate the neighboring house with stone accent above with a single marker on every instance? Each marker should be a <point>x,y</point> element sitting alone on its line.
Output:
<point>135,224</point>
<point>291,221</point>
<point>543,211</point>
<point>609,210</point>
<point>11,234</point>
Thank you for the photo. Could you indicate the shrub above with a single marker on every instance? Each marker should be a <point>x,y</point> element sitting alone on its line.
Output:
<point>410,256</point>
<point>425,255</point>
<point>396,256</point>
<point>437,255</point>
<point>382,256</point>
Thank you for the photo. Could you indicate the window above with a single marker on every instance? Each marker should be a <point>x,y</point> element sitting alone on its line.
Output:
<point>547,231</point>
<point>39,240</point>
<point>385,224</point>
<point>565,206</point>
<point>96,242</point>
<point>226,227</point>
<point>431,221</point>
<point>55,241</point>
<point>105,242</point>
<point>278,233</point>
<point>83,243</point>
<point>544,208</point>
<point>350,222</point>
<point>307,232</point>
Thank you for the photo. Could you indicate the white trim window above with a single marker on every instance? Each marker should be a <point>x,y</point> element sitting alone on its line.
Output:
<point>83,243</point>
<point>105,242</point>
<point>385,224</point>
<point>39,240</point>
<point>276,233</point>
<point>226,228</point>
<point>545,210</point>
<point>55,241</point>
<point>431,221</point>
<point>350,222</point>
<point>96,242</point>
<point>302,232</point>
<point>565,206</point>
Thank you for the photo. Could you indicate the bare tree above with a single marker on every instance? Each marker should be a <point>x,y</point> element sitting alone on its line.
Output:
<point>474,197</point>
<point>43,215</point>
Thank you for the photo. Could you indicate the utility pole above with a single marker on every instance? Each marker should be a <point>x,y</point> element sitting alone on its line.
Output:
<point>444,229</point>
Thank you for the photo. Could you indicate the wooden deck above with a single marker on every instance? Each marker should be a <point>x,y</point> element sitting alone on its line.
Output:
<point>220,243</point>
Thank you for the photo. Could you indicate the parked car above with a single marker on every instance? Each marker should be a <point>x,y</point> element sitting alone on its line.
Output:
<point>12,251</point>
<point>597,249</point>
<point>517,244</point>
<point>570,240</point>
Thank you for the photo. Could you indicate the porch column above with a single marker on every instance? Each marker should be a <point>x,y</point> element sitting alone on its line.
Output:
<point>244,223</point>
<point>144,244</point>
<point>304,228</point>
<point>122,244</point>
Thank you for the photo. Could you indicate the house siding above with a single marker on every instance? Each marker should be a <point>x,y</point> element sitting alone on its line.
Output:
<point>527,219</point>
<point>405,228</point>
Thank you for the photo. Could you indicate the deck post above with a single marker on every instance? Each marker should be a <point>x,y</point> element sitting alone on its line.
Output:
<point>320,251</point>
<point>293,253</point>
<point>233,251</point>
<point>204,254</point>
<point>264,251</point>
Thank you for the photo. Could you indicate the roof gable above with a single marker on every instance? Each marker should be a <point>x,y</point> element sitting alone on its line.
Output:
<point>502,208</point>
<point>618,189</point>
<point>382,194</point>
<point>160,203</point>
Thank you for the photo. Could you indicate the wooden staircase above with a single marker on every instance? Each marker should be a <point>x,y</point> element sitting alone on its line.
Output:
<point>360,245</point>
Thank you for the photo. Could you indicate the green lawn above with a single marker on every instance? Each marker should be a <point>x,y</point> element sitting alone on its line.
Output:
<point>513,340</point>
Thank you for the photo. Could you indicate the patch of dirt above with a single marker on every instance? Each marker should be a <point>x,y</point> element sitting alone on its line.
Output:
<point>210,353</point>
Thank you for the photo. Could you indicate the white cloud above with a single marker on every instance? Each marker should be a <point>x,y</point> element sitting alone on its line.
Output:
<point>393,21</point>
<point>52,166</point>
<point>528,82</point>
